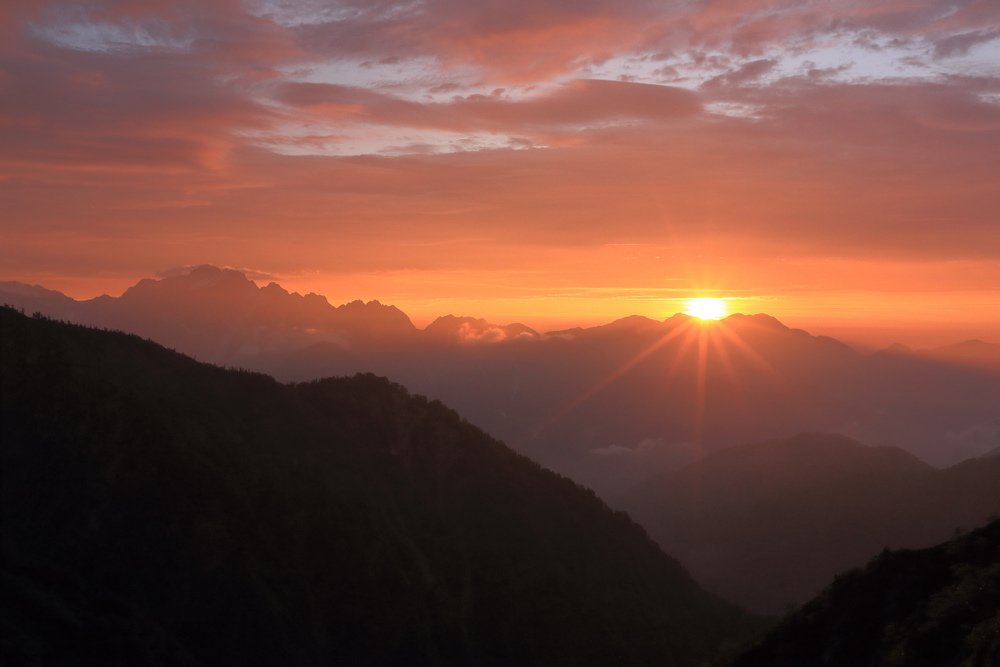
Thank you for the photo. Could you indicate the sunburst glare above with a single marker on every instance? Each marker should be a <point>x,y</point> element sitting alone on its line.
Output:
<point>706,308</point>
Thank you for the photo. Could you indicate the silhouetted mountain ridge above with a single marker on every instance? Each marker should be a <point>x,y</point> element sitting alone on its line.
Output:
<point>475,330</point>
<point>767,525</point>
<point>973,353</point>
<point>927,608</point>
<point>171,512</point>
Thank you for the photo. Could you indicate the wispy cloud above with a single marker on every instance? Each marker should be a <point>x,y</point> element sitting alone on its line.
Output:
<point>300,136</point>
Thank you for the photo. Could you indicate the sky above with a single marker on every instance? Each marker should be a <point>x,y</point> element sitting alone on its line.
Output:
<point>834,162</point>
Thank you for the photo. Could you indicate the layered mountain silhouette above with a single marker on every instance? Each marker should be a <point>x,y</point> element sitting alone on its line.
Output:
<point>607,405</point>
<point>219,315</point>
<point>465,330</point>
<point>156,510</point>
<point>768,525</point>
<point>973,353</point>
<point>927,608</point>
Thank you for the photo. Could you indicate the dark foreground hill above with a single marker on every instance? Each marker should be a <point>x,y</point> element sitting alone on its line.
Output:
<point>155,510</point>
<point>936,607</point>
<point>768,525</point>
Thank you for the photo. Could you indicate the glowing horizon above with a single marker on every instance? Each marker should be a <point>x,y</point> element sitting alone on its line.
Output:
<point>853,316</point>
<point>832,164</point>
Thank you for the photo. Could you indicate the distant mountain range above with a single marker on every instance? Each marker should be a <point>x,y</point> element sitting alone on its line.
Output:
<point>768,525</point>
<point>156,510</point>
<point>219,315</point>
<point>609,405</point>
<point>928,608</point>
<point>972,353</point>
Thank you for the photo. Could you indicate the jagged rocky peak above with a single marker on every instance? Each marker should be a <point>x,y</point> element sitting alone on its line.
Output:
<point>274,288</point>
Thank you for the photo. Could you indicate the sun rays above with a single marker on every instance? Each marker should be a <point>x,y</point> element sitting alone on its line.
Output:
<point>710,350</point>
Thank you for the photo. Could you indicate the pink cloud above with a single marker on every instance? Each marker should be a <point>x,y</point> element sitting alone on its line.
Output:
<point>165,140</point>
<point>131,105</point>
<point>574,103</point>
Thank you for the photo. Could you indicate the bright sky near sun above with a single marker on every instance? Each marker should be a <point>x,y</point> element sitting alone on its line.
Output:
<point>829,162</point>
<point>706,308</point>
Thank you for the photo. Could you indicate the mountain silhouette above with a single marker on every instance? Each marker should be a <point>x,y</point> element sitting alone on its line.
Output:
<point>768,525</point>
<point>611,405</point>
<point>475,330</point>
<point>607,405</point>
<point>219,315</point>
<point>973,353</point>
<point>156,510</point>
<point>927,608</point>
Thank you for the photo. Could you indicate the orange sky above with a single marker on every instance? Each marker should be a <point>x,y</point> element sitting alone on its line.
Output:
<point>831,163</point>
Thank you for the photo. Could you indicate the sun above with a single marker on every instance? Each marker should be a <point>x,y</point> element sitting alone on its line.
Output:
<point>706,309</point>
